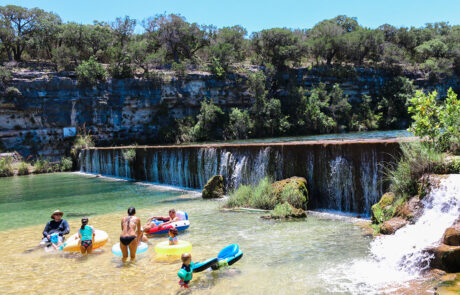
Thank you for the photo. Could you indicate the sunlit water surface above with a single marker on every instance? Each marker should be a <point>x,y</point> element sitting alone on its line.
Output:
<point>290,257</point>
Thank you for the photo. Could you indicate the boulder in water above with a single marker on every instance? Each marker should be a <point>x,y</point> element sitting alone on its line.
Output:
<point>384,209</point>
<point>389,227</point>
<point>214,188</point>
<point>410,210</point>
<point>452,234</point>
<point>446,258</point>
<point>298,183</point>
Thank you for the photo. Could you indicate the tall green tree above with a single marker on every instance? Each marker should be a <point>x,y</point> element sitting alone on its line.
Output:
<point>278,47</point>
<point>19,25</point>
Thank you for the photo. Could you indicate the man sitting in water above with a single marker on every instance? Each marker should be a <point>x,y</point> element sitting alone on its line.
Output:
<point>172,218</point>
<point>56,226</point>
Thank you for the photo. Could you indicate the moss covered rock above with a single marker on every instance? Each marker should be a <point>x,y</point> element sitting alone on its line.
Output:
<point>292,190</point>
<point>285,211</point>
<point>384,209</point>
<point>214,188</point>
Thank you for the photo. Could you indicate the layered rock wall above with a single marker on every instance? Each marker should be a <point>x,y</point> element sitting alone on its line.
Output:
<point>43,119</point>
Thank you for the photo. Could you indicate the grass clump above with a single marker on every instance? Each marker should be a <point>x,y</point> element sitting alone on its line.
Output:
<point>129,155</point>
<point>260,196</point>
<point>293,196</point>
<point>23,169</point>
<point>43,166</point>
<point>6,167</point>
<point>240,197</point>
<point>282,210</point>
<point>417,159</point>
<point>66,164</point>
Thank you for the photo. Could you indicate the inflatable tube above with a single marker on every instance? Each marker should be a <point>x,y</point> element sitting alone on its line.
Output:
<point>72,243</point>
<point>200,266</point>
<point>164,248</point>
<point>228,256</point>
<point>140,249</point>
<point>180,225</point>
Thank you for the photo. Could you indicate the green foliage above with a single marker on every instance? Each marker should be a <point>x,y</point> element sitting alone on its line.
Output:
<point>417,159</point>
<point>240,125</point>
<point>6,167</point>
<point>260,196</point>
<point>292,195</point>
<point>23,169</point>
<point>129,155</point>
<point>66,164</point>
<point>278,47</point>
<point>43,166</point>
<point>282,210</point>
<point>209,124</point>
<point>312,111</point>
<point>240,197</point>
<point>440,123</point>
<point>178,68</point>
<point>5,76</point>
<point>90,72</point>
<point>83,140</point>
<point>12,92</point>
<point>393,103</point>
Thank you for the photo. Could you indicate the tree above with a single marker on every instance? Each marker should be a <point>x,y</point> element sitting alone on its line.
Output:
<point>326,40</point>
<point>123,29</point>
<point>311,115</point>
<point>180,39</point>
<point>209,122</point>
<point>278,47</point>
<point>19,25</point>
<point>239,125</point>
<point>339,108</point>
<point>90,72</point>
<point>393,103</point>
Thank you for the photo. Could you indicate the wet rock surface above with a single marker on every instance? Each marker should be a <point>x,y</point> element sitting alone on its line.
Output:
<point>214,188</point>
<point>389,227</point>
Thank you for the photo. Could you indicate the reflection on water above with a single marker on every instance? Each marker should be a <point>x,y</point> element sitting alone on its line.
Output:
<point>279,257</point>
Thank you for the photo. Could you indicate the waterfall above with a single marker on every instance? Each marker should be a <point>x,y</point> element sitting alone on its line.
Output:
<point>405,250</point>
<point>340,176</point>
<point>396,259</point>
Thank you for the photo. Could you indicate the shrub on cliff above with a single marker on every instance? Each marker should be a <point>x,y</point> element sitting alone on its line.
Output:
<point>240,125</point>
<point>83,140</point>
<point>5,76</point>
<point>12,92</point>
<point>90,72</point>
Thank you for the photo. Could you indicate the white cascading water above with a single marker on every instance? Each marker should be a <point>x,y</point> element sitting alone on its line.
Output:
<point>399,258</point>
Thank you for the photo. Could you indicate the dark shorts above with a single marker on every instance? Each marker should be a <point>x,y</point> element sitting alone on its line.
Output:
<point>87,243</point>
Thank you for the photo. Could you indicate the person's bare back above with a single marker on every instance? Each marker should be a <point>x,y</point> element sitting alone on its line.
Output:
<point>130,234</point>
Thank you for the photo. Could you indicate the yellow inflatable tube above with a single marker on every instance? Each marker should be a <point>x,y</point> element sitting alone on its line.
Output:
<point>73,242</point>
<point>164,248</point>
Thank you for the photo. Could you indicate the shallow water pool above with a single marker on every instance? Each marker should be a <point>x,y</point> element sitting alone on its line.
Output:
<point>280,257</point>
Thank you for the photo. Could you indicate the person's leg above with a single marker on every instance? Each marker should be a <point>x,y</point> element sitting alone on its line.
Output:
<point>124,251</point>
<point>44,242</point>
<point>82,249</point>
<point>89,249</point>
<point>133,248</point>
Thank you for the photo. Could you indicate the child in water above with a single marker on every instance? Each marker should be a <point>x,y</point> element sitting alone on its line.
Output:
<point>173,236</point>
<point>55,241</point>
<point>86,235</point>
<point>185,272</point>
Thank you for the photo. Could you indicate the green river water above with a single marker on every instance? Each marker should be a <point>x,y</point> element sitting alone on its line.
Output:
<point>280,257</point>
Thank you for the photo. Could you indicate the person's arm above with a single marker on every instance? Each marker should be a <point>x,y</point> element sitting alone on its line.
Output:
<point>79,235</point>
<point>46,230</point>
<point>65,228</point>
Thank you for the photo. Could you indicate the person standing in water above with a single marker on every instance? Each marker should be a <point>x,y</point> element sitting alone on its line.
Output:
<point>131,234</point>
<point>86,234</point>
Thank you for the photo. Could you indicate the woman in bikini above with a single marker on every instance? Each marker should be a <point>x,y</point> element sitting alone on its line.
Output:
<point>130,234</point>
